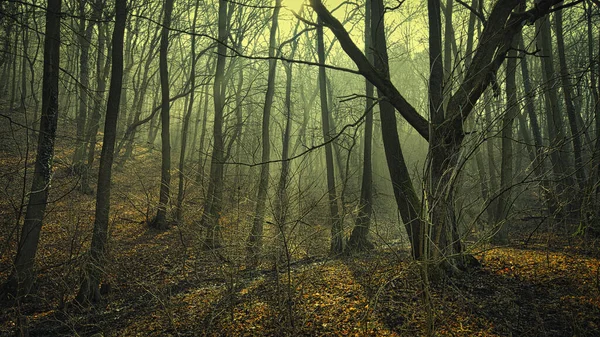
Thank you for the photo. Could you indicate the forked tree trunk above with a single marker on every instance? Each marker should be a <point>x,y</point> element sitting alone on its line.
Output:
<point>90,286</point>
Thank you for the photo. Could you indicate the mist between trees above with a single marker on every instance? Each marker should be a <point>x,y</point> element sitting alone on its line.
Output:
<point>263,137</point>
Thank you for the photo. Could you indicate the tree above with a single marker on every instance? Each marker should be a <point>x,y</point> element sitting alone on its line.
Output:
<point>256,233</point>
<point>160,220</point>
<point>337,243</point>
<point>23,274</point>
<point>186,121</point>
<point>358,239</point>
<point>212,204</point>
<point>495,41</point>
<point>90,286</point>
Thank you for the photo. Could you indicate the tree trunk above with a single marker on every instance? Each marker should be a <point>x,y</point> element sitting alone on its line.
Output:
<point>201,156</point>
<point>337,242</point>
<point>85,35</point>
<point>213,202</point>
<point>570,107</point>
<point>506,166</point>
<point>554,119</point>
<point>102,68</point>
<point>23,275</point>
<point>160,221</point>
<point>186,122</point>
<point>256,233</point>
<point>359,238</point>
<point>90,286</point>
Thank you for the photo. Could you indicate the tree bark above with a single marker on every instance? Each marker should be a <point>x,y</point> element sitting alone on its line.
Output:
<point>186,122</point>
<point>359,238</point>
<point>160,221</point>
<point>213,202</point>
<point>506,167</point>
<point>256,233</point>
<point>90,287</point>
<point>23,275</point>
<point>570,107</point>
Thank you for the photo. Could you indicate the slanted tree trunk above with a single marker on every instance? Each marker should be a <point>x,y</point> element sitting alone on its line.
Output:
<point>90,287</point>
<point>23,275</point>
<point>359,238</point>
<point>160,220</point>
<point>201,155</point>
<point>501,27</point>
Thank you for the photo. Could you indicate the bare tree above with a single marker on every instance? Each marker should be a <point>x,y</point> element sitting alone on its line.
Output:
<point>23,275</point>
<point>90,286</point>
<point>160,220</point>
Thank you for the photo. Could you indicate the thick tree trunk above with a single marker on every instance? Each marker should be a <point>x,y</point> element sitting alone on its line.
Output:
<point>160,221</point>
<point>406,199</point>
<point>90,286</point>
<point>23,275</point>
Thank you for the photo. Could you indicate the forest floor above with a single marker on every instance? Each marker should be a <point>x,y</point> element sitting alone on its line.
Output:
<point>162,283</point>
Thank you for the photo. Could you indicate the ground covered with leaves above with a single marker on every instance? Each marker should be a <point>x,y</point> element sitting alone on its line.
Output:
<point>164,283</point>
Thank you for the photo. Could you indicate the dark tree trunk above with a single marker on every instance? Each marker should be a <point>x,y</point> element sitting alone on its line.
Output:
<point>506,166</point>
<point>93,125</point>
<point>337,242</point>
<point>90,287</point>
<point>213,202</point>
<point>160,221</point>
<point>256,233</point>
<point>186,122</point>
<point>570,107</point>
<point>554,120</point>
<point>85,35</point>
<point>23,275</point>
<point>359,238</point>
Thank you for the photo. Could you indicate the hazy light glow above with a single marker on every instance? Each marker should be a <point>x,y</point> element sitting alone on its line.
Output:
<point>293,5</point>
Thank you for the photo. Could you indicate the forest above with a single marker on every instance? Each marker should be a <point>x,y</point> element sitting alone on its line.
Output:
<point>299,168</point>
